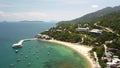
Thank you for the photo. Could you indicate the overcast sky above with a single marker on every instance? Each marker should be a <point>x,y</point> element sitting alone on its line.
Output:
<point>50,10</point>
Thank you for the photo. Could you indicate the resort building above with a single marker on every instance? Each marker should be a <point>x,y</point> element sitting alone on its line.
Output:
<point>59,30</point>
<point>82,29</point>
<point>42,36</point>
<point>115,63</point>
<point>45,37</point>
<point>95,31</point>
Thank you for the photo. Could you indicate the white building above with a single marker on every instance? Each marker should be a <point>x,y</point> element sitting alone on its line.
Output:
<point>59,30</point>
<point>42,36</point>
<point>96,31</point>
<point>82,29</point>
<point>115,62</point>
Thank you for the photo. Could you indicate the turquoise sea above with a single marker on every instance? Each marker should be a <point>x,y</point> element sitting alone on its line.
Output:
<point>34,54</point>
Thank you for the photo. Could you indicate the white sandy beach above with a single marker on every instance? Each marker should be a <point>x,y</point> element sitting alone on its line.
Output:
<point>81,49</point>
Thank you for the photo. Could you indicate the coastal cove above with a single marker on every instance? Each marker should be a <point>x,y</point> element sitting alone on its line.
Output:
<point>48,55</point>
<point>35,54</point>
<point>59,34</point>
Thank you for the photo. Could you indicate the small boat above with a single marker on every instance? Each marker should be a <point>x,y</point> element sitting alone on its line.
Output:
<point>48,53</point>
<point>18,60</point>
<point>12,65</point>
<point>21,53</point>
<point>37,57</point>
<point>29,64</point>
<point>16,51</point>
<point>26,56</point>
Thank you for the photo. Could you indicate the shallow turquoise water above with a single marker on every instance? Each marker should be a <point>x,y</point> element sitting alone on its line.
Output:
<point>46,55</point>
<point>34,54</point>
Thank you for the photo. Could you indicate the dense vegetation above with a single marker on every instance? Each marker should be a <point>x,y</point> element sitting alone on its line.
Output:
<point>64,32</point>
<point>113,19</point>
<point>68,33</point>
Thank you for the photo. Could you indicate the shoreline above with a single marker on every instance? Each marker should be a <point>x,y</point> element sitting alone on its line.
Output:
<point>80,49</point>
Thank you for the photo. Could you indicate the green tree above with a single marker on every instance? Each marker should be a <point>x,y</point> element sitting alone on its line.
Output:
<point>100,51</point>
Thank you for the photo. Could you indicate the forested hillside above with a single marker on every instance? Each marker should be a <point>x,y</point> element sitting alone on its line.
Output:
<point>110,36</point>
<point>112,21</point>
<point>94,15</point>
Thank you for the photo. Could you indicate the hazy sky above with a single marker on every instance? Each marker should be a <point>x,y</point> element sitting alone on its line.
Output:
<point>50,10</point>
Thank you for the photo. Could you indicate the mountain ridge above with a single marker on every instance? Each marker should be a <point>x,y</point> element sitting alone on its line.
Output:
<point>93,15</point>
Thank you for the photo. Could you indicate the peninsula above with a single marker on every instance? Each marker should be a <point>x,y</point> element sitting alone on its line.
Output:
<point>101,35</point>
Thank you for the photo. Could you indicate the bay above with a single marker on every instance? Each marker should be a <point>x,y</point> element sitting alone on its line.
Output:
<point>34,54</point>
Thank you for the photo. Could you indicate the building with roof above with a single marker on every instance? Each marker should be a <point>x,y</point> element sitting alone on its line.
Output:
<point>115,62</point>
<point>42,36</point>
<point>112,49</point>
<point>95,31</point>
<point>82,29</point>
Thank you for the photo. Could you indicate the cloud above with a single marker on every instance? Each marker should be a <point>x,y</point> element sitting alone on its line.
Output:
<point>41,16</point>
<point>1,12</point>
<point>95,6</point>
<point>70,2</point>
<point>22,16</point>
<point>29,14</point>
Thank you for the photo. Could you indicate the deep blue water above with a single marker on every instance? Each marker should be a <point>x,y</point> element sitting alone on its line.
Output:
<point>34,54</point>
